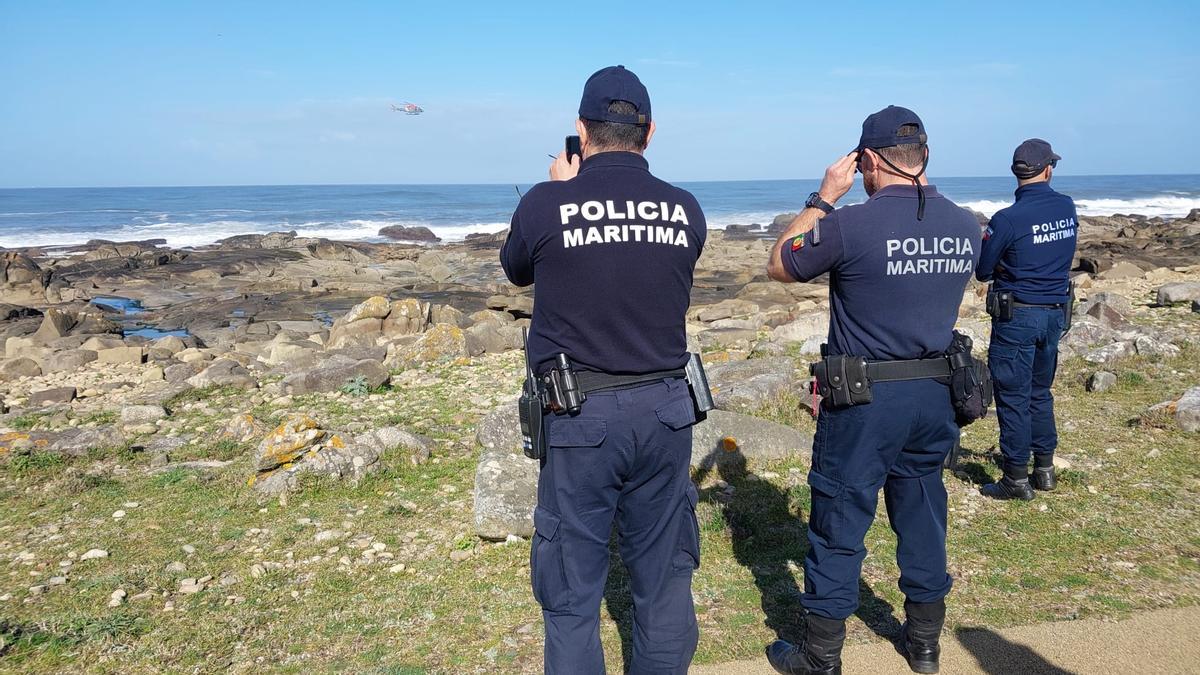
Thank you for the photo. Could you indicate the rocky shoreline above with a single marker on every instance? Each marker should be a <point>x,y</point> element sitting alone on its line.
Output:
<point>102,340</point>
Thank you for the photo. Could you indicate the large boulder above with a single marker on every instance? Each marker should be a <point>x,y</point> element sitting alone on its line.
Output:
<point>804,329</point>
<point>506,481</point>
<point>403,233</point>
<point>749,384</point>
<point>442,342</point>
<point>1187,410</point>
<point>520,306</point>
<point>375,307</point>
<point>334,373</point>
<point>1178,292</point>
<point>725,309</point>
<point>757,439</point>
<point>492,338</point>
<point>73,442</point>
<point>224,373</point>
<point>500,429</point>
<point>12,369</point>
<point>407,316</point>
<point>299,445</point>
<point>505,495</point>
<point>242,428</point>
<point>70,359</point>
<point>419,448</point>
<point>349,333</point>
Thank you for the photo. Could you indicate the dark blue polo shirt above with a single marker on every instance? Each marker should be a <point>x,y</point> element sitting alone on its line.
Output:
<point>895,282</point>
<point>612,251</point>
<point>1028,247</point>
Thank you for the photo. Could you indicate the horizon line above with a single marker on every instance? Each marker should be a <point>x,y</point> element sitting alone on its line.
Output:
<point>506,183</point>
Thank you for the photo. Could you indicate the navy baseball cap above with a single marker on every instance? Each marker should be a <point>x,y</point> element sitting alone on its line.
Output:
<point>882,129</point>
<point>1031,157</point>
<point>614,83</point>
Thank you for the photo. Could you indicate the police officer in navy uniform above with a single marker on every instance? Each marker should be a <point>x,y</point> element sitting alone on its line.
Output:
<point>612,250</point>
<point>897,265</point>
<point>1027,253</point>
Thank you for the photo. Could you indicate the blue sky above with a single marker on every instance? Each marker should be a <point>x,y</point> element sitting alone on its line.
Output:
<point>216,93</point>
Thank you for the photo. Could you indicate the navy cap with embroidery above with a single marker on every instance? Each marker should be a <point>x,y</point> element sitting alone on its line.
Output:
<point>882,129</point>
<point>614,83</point>
<point>1031,157</point>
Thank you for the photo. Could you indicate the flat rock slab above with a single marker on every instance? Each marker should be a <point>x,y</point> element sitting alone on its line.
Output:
<point>1178,292</point>
<point>506,481</point>
<point>749,384</point>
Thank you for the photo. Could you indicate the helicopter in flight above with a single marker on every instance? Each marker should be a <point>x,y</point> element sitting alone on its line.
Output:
<point>408,109</point>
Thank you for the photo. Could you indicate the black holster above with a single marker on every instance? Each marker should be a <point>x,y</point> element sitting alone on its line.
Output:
<point>1069,308</point>
<point>999,304</point>
<point>970,381</point>
<point>842,380</point>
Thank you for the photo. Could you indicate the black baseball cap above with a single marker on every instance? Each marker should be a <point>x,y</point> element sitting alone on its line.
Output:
<point>1031,157</point>
<point>882,129</point>
<point>614,83</point>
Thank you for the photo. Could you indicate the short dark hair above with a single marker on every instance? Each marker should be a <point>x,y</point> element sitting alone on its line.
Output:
<point>617,136</point>
<point>910,155</point>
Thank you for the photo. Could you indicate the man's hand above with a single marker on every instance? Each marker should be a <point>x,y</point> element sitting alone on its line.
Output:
<point>563,169</point>
<point>839,178</point>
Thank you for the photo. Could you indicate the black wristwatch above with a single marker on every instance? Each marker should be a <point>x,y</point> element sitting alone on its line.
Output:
<point>815,202</point>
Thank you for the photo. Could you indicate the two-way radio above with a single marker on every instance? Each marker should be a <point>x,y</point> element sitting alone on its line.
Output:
<point>530,407</point>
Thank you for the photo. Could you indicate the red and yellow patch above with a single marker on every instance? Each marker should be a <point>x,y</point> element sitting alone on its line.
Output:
<point>798,243</point>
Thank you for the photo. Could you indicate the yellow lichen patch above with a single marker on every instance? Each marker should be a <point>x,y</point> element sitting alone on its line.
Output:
<point>41,442</point>
<point>13,436</point>
<point>337,442</point>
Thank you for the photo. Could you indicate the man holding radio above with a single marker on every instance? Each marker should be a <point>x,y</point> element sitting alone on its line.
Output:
<point>612,250</point>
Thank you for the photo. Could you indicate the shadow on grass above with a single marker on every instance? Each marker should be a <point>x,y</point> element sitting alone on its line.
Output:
<point>971,465</point>
<point>770,540</point>
<point>996,655</point>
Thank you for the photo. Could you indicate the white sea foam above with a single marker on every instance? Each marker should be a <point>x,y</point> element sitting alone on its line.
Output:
<point>192,235</point>
<point>1165,205</point>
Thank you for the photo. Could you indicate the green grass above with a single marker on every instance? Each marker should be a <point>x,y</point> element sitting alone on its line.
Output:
<point>1122,534</point>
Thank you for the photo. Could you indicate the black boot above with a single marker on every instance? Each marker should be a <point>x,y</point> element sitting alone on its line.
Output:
<point>1009,487</point>
<point>1043,473</point>
<point>819,654</point>
<point>918,640</point>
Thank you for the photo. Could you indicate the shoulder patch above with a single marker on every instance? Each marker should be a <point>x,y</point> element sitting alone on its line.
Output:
<point>798,242</point>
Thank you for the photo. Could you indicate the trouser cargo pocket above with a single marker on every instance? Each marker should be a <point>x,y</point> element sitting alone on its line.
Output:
<point>687,555</point>
<point>546,568</point>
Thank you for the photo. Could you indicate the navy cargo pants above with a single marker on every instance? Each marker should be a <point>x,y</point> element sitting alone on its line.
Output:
<point>1023,356</point>
<point>623,458</point>
<point>898,443</point>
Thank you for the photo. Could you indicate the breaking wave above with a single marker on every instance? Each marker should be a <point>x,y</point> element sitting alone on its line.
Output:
<point>192,235</point>
<point>1165,205</point>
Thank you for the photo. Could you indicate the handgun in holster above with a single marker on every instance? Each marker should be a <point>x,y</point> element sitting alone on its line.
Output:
<point>999,304</point>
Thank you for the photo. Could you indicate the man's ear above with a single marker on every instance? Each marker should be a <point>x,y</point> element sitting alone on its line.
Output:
<point>868,160</point>
<point>581,132</point>
<point>1047,172</point>
<point>649,135</point>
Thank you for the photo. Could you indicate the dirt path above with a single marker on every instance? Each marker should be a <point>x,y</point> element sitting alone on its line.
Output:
<point>1164,641</point>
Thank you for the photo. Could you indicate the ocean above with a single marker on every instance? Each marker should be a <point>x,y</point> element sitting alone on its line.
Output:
<point>195,216</point>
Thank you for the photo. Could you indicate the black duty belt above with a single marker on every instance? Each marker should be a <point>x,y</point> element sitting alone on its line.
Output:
<point>913,369</point>
<point>591,381</point>
<point>1026,304</point>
